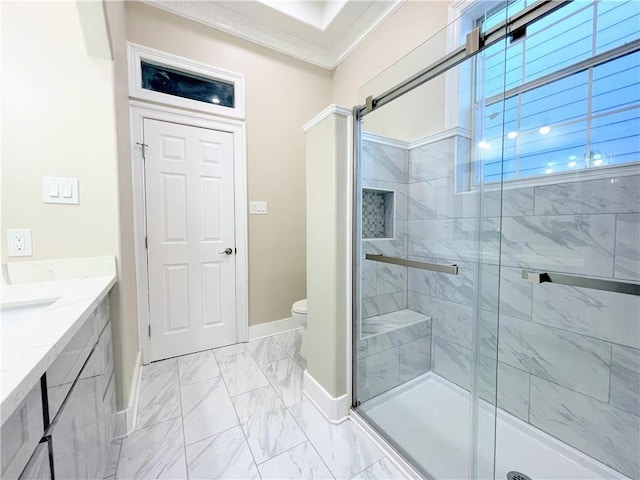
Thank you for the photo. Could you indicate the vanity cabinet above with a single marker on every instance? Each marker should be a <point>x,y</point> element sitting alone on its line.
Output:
<point>69,415</point>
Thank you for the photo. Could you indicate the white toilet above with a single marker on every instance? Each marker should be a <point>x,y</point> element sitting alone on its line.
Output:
<point>299,314</point>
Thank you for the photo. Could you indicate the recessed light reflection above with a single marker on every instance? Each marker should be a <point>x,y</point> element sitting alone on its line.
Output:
<point>573,157</point>
<point>598,162</point>
<point>512,135</point>
<point>597,156</point>
<point>215,100</point>
<point>544,130</point>
<point>571,164</point>
<point>548,170</point>
<point>483,145</point>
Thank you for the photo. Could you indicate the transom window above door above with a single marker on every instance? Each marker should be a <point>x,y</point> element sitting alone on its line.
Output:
<point>165,78</point>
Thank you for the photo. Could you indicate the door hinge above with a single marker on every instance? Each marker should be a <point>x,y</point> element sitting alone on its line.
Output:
<point>149,330</point>
<point>146,243</point>
<point>142,147</point>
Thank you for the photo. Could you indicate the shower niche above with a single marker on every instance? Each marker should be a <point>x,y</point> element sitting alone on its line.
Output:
<point>378,214</point>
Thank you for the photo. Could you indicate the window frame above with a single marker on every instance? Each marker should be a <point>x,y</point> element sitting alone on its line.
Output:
<point>138,53</point>
<point>465,15</point>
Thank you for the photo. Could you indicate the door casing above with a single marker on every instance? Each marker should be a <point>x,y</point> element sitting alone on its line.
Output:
<point>138,112</point>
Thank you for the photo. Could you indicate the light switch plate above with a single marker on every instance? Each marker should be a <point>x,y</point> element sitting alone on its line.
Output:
<point>19,243</point>
<point>60,190</point>
<point>258,207</point>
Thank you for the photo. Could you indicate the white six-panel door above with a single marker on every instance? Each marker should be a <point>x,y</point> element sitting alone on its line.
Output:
<point>189,200</point>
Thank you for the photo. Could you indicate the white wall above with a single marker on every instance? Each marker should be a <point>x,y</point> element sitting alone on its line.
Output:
<point>282,93</point>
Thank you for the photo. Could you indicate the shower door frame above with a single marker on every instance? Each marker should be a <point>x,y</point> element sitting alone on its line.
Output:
<point>476,42</point>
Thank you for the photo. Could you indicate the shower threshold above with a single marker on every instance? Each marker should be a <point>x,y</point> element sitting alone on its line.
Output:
<point>428,418</point>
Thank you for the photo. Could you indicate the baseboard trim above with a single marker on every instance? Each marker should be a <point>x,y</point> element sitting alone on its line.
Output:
<point>398,460</point>
<point>272,328</point>
<point>334,409</point>
<point>126,419</point>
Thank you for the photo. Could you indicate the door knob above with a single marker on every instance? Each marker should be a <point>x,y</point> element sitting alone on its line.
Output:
<point>227,251</point>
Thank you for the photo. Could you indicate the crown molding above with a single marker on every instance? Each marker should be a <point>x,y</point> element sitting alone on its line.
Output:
<point>226,20</point>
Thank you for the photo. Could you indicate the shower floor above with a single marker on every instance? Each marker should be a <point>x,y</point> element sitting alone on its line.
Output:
<point>429,418</point>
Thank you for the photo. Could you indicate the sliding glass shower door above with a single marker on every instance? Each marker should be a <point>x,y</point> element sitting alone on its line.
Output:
<point>497,252</point>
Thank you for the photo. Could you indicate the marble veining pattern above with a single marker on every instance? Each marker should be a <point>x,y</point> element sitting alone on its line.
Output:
<point>627,257</point>
<point>197,367</point>
<point>625,379</point>
<point>269,431</point>
<point>224,455</point>
<point>566,358</point>
<point>389,322</point>
<point>301,462</point>
<point>266,350</point>
<point>159,399</point>
<point>241,373</point>
<point>607,433</point>
<point>268,425</point>
<point>382,470</point>
<point>345,449</point>
<point>154,452</point>
<point>206,409</point>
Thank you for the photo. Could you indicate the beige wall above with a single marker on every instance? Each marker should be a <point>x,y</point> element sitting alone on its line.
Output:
<point>124,311</point>
<point>282,93</point>
<point>328,192</point>
<point>392,53</point>
<point>57,120</point>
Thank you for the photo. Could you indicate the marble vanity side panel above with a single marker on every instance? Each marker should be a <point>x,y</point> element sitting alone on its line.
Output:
<point>627,256</point>
<point>607,433</point>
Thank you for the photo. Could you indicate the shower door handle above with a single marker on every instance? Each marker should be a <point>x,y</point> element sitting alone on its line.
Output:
<point>435,267</point>
<point>628,288</point>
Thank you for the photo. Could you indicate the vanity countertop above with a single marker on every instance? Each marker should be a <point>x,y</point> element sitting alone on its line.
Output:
<point>38,321</point>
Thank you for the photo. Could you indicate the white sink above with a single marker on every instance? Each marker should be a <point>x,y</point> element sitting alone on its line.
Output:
<point>14,314</point>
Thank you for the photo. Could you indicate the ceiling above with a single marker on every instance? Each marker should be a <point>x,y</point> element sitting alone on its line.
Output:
<point>317,31</point>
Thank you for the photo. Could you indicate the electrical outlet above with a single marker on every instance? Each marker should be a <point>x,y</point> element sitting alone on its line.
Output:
<point>19,243</point>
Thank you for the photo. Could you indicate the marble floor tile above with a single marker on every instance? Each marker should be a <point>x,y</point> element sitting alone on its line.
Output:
<point>155,452</point>
<point>269,427</point>
<point>197,367</point>
<point>222,456</point>
<point>286,377</point>
<point>160,367</point>
<point>344,448</point>
<point>159,399</point>
<point>291,342</point>
<point>206,409</point>
<point>112,459</point>
<point>265,350</point>
<point>241,373</point>
<point>299,463</point>
<point>382,470</point>
<point>229,350</point>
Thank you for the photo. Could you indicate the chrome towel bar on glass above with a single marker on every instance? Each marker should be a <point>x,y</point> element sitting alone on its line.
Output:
<point>584,282</point>
<point>436,267</point>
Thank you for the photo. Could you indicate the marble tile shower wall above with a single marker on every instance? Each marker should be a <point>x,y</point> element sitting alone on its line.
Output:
<point>384,286</point>
<point>569,358</point>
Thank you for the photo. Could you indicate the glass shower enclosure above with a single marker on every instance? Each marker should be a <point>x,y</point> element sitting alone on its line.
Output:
<point>496,326</point>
